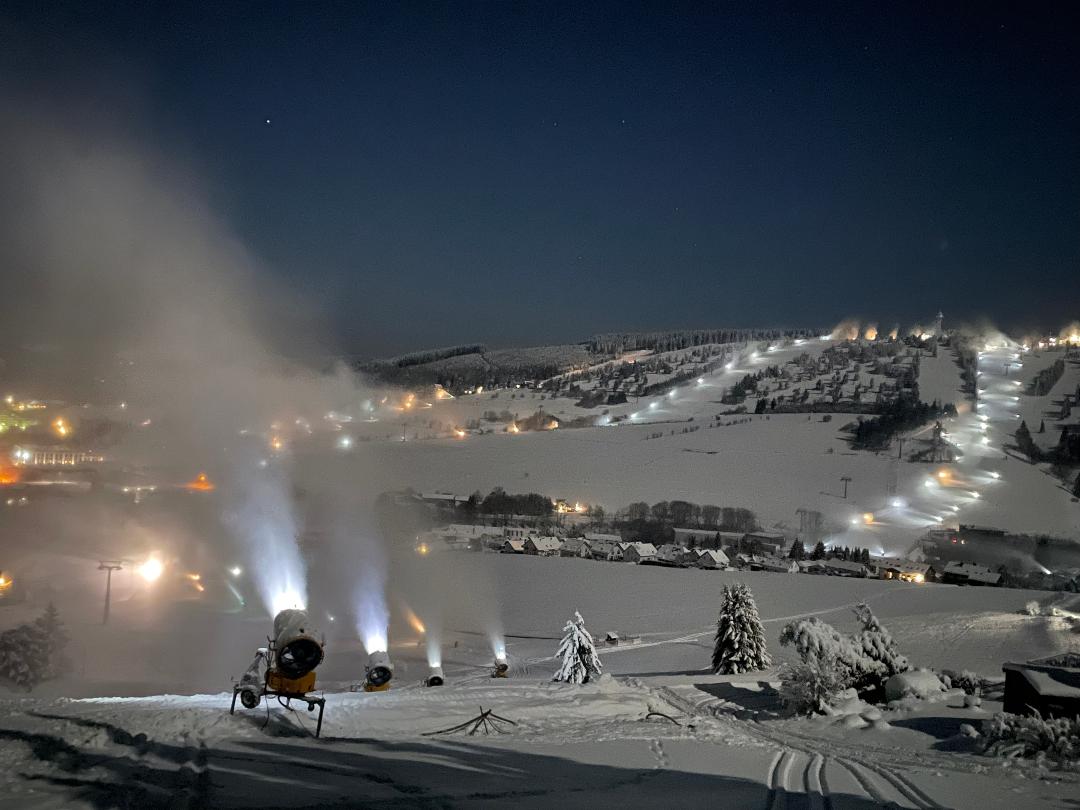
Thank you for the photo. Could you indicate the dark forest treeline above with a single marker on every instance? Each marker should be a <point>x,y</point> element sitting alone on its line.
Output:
<point>673,340</point>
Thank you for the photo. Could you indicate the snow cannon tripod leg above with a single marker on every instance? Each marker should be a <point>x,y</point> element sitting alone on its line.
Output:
<point>318,726</point>
<point>235,692</point>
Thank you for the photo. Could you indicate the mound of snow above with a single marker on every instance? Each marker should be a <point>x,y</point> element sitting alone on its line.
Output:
<point>919,683</point>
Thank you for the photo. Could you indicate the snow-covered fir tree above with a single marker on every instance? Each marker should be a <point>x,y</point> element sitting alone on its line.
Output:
<point>55,639</point>
<point>24,655</point>
<point>577,653</point>
<point>740,638</point>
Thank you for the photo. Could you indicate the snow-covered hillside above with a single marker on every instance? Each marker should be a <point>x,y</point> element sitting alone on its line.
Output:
<point>575,746</point>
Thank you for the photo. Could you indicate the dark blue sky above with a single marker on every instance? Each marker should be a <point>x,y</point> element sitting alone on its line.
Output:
<point>515,173</point>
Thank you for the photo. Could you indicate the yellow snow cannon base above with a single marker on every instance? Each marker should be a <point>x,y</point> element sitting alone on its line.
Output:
<point>276,682</point>
<point>370,687</point>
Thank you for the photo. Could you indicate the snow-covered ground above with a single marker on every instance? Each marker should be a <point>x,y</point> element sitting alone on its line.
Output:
<point>572,746</point>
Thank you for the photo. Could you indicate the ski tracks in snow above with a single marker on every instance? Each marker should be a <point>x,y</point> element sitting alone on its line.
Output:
<point>804,772</point>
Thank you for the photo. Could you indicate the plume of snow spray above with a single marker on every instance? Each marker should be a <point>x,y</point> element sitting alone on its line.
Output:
<point>847,329</point>
<point>264,521</point>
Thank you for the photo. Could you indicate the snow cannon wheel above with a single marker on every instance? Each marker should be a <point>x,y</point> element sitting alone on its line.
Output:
<point>249,699</point>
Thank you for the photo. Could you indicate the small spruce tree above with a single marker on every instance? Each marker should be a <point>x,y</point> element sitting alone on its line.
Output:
<point>740,638</point>
<point>1076,487</point>
<point>577,653</point>
<point>819,551</point>
<point>55,639</point>
<point>797,551</point>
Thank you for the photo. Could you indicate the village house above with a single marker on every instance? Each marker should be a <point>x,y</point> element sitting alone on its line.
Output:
<point>638,552</point>
<point>605,549</point>
<point>711,558</point>
<point>546,546</point>
<point>901,569</point>
<point>670,554</point>
<point>779,565</point>
<point>512,547</point>
<point>811,567</point>
<point>576,547</point>
<point>965,573</point>
<point>844,568</point>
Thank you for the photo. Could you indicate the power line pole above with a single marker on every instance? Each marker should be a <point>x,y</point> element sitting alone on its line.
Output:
<point>108,566</point>
<point>846,479</point>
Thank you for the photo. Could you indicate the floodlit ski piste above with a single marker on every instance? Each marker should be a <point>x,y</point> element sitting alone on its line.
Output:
<point>826,567</point>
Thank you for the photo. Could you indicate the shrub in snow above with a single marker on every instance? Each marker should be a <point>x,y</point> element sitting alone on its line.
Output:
<point>740,638</point>
<point>919,683</point>
<point>811,685</point>
<point>966,680</point>
<point>577,653</point>
<point>1013,735</point>
<point>864,661</point>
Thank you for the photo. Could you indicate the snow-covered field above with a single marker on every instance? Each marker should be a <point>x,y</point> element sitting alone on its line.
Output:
<point>141,719</point>
<point>572,746</point>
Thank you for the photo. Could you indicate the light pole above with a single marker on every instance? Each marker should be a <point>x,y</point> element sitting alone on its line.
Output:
<point>845,480</point>
<point>108,566</point>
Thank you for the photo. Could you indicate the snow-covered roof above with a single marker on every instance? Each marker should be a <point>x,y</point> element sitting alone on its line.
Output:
<point>977,573</point>
<point>545,543</point>
<point>643,549</point>
<point>713,554</point>
<point>600,537</point>
<point>900,564</point>
<point>845,565</point>
<point>517,545</point>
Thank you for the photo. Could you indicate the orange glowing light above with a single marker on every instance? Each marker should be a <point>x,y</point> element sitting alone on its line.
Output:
<point>553,425</point>
<point>944,475</point>
<point>459,433</point>
<point>513,428</point>
<point>868,518</point>
<point>414,622</point>
<point>276,443</point>
<point>61,427</point>
<point>201,483</point>
<point>8,475</point>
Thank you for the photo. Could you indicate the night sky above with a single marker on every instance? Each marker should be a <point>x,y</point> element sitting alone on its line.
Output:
<point>512,173</point>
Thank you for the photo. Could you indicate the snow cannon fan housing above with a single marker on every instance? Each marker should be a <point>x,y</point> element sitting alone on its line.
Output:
<point>501,668</point>
<point>298,650</point>
<point>435,677</point>
<point>378,673</point>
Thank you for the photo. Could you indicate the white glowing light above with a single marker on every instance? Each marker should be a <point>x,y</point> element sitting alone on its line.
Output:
<point>995,475</point>
<point>974,494</point>
<point>652,406</point>
<point>898,503</point>
<point>700,380</point>
<point>345,442</point>
<point>375,640</point>
<point>729,366</point>
<point>236,570</point>
<point>286,598</point>
<point>151,570</point>
<point>929,482</point>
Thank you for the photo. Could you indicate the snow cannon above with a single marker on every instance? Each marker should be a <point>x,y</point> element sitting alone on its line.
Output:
<point>297,649</point>
<point>378,672</point>
<point>501,669</point>
<point>285,669</point>
<point>435,677</point>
